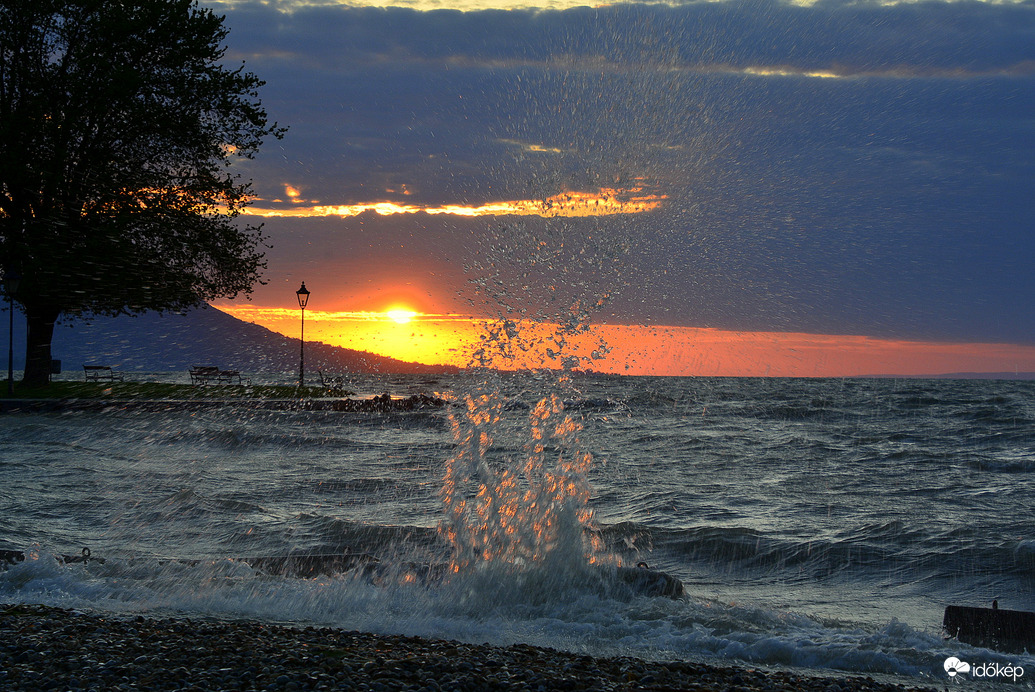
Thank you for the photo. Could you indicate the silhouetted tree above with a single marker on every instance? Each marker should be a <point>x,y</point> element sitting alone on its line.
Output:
<point>118,124</point>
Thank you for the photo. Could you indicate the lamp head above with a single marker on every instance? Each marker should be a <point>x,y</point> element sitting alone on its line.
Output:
<point>303,296</point>
<point>11,282</point>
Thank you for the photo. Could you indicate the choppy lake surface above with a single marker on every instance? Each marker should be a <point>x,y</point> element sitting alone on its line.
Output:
<point>815,524</point>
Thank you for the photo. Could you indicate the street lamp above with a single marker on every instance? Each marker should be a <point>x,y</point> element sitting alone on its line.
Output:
<point>10,286</point>
<point>303,298</point>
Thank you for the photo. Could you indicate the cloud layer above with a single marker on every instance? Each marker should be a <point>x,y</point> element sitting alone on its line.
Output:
<point>843,167</point>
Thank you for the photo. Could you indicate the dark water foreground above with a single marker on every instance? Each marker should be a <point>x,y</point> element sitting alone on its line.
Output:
<point>818,526</point>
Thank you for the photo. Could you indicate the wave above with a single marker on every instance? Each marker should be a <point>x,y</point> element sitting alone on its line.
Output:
<point>890,552</point>
<point>497,605</point>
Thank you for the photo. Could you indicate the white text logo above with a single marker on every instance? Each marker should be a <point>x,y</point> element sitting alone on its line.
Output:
<point>955,667</point>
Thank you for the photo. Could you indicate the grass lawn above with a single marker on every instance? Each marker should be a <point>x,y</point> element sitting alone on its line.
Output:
<point>158,390</point>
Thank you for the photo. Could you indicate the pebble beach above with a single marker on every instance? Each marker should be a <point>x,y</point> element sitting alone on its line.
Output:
<point>46,648</point>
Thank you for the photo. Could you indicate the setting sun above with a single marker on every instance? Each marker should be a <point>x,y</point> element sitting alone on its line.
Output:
<point>400,315</point>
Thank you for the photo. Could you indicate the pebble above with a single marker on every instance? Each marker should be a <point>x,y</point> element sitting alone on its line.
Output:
<point>43,647</point>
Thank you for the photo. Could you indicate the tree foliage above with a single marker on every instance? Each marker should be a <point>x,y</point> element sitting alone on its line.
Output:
<point>119,121</point>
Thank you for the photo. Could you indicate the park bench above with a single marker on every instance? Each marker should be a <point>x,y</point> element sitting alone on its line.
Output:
<point>97,373</point>
<point>208,374</point>
<point>335,385</point>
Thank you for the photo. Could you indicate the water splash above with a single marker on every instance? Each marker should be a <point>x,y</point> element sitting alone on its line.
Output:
<point>522,512</point>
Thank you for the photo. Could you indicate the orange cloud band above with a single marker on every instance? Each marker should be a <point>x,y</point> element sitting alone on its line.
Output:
<point>605,202</point>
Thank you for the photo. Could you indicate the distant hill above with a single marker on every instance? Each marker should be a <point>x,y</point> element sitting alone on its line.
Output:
<point>157,343</point>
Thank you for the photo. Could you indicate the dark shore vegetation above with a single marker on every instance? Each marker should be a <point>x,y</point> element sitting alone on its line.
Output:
<point>119,125</point>
<point>158,391</point>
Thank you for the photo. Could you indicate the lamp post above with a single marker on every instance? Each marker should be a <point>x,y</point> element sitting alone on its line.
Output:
<point>303,298</point>
<point>10,286</point>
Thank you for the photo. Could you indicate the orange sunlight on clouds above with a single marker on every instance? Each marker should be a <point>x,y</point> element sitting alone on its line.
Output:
<point>631,349</point>
<point>605,202</point>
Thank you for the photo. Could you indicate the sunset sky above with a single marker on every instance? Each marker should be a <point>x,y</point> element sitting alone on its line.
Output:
<point>729,187</point>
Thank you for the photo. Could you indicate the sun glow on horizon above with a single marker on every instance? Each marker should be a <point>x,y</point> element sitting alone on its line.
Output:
<point>463,341</point>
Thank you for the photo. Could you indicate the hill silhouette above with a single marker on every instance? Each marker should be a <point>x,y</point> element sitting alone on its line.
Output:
<point>207,336</point>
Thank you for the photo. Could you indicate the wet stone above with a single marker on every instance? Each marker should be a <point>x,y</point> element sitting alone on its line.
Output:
<point>51,648</point>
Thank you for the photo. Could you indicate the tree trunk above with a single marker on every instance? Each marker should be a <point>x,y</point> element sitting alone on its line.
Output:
<point>39,320</point>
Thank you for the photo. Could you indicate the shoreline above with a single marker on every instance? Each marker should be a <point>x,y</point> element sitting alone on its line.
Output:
<point>45,647</point>
<point>383,403</point>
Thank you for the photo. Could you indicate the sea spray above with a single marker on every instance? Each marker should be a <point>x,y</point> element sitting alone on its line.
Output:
<point>518,514</point>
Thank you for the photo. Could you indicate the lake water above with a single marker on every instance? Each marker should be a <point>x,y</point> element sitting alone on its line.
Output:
<point>815,524</point>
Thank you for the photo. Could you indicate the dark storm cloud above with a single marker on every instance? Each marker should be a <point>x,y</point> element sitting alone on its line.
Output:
<point>377,98</point>
<point>890,197</point>
<point>856,36</point>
